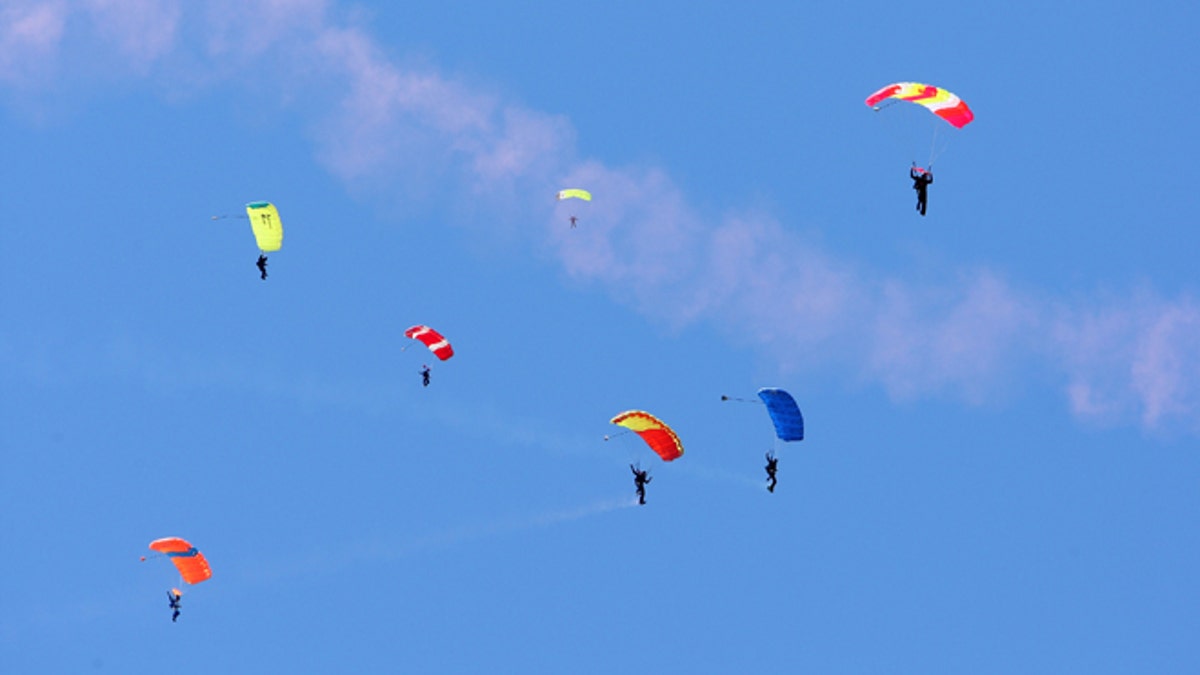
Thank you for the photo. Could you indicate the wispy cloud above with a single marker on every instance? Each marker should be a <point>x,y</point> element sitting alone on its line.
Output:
<point>1137,354</point>
<point>30,33</point>
<point>961,337</point>
<point>391,119</point>
<point>1122,359</point>
<point>141,30</point>
<point>1166,366</point>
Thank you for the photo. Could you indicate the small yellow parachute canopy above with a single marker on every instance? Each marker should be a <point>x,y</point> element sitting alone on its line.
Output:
<point>575,193</point>
<point>268,229</point>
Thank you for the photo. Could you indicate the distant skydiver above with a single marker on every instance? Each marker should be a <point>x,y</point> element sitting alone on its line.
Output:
<point>922,179</point>
<point>262,266</point>
<point>175,598</point>
<point>772,465</point>
<point>640,478</point>
<point>574,193</point>
<point>425,375</point>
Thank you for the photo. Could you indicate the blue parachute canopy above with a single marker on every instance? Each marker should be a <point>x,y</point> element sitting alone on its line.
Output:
<point>789,423</point>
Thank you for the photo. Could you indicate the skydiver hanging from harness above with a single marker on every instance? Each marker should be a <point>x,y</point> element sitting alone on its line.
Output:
<point>262,266</point>
<point>425,375</point>
<point>922,179</point>
<point>640,478</point>
<point>772,465</point>
<point>573,219</point>
<point>175,598</point>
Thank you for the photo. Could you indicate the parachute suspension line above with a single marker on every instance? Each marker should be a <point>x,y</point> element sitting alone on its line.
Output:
<point>932,147</point>
<point>934,150</point>
<point>740,400</point>
<point>895,131</point>
<point>632,455</point>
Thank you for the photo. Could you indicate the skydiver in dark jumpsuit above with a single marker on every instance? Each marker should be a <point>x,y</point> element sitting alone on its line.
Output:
<point>175,604</point>
<point>640,478</point>
<point>425,375</point>
<point>922,179</point>
<point>262,266</point>
<point>772,465</point>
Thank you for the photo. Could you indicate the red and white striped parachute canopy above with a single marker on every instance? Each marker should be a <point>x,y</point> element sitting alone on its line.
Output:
<point>432,339</point>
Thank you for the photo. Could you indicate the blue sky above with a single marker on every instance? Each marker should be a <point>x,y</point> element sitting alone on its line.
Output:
<point>1002,398</point>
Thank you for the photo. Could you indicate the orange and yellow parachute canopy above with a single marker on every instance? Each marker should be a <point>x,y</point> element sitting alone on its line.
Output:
<point>660,437</point>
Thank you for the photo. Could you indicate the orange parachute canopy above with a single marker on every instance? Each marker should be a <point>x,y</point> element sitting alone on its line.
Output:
<point>660,437</point>
<point>191,563</point>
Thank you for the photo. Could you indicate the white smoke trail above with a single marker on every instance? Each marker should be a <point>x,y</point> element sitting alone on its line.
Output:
<point>390,548</point>
<point>725,476</point>
<point>497,528</point>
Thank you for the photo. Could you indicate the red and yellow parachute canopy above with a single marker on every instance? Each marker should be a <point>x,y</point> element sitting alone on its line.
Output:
<point>191,563</point>
<point>660,437</point>
<point>938,101</point>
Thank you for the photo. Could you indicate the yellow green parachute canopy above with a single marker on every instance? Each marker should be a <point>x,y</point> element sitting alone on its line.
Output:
<point>268,229</point>
<point>575,193</point>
